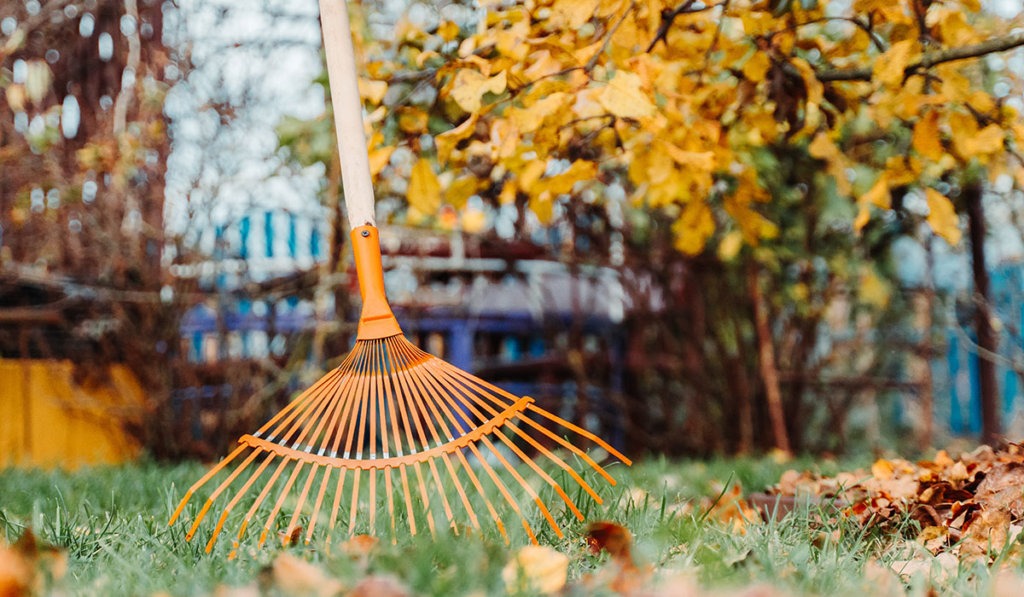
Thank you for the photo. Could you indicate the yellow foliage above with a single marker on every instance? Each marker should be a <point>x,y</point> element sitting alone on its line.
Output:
<point>694,227</point>
<point>927,140</point>
<point>890,66</point>
<point>942,217</point>
<point>424,193</point>
<point>573,13</point>
<point>693,119</point>
<point>447,140</point>
<point>877,196</point>
<point>372,91</point>
<point>625,98</point>
<point>470,85</point>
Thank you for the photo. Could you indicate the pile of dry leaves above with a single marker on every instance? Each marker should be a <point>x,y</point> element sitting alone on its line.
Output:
<point>971,506</point>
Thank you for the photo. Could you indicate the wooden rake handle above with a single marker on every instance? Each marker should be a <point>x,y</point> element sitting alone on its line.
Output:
<point>348,113</point>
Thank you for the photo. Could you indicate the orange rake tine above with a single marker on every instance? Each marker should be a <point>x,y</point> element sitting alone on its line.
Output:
<point>302,501</point>
<point>202,481</point>
<point>216,492</point>
<point>234,501</point>
<point>468,401</point>
<point>280,502</point>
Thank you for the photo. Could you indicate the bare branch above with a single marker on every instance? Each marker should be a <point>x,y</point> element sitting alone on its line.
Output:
<point>991,46</point>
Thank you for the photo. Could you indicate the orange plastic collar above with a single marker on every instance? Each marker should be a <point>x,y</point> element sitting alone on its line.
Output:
<point>376,321</point>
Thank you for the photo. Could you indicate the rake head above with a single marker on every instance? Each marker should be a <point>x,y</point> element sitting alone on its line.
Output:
<point>397,424</point>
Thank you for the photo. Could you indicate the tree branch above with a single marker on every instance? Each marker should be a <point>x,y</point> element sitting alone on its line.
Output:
<point>991,46</point>
<point>669,16</point>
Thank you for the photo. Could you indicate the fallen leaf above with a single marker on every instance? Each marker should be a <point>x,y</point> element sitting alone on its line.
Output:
<point>536,568</point>
<point>379,586</point>
<point>295,576</point>
<point>622,575</point>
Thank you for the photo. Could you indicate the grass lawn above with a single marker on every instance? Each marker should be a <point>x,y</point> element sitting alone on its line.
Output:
<point>112,522</point>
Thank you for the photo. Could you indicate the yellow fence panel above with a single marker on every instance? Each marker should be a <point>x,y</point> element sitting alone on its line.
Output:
<point>47,419</point>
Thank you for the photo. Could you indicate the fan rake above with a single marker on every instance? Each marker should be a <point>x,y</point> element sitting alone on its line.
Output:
<point>434,437</point>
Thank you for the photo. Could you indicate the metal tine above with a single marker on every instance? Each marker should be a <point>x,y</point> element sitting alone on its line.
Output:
<point>493,474</point>
<point>238,496</point>
<point>444,396</point>
<point>302,501</point>
<point>332,437</point>
<point>398,400</point>
<point>495,391</point>
<point>298,420</point>
<point>328,470</point>
<point>303,400</point>
<point>386,412</point>
<point>412,393</point>
<point>429,400</point>
<point>464,393</point>
<point>267,526</point>
<point>349,423</point>
<point>202,481</point>
<point>216,492</point>
<point>410,405</point>
<point>259,498</point>
<point>354,509</point>
<point>483,494</point>
<point>364,406</point>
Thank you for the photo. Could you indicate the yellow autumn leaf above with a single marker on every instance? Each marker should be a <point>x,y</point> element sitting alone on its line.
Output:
<point>447,140</point>
<point>624,97</point>
<point>379,158</point>
<point>461,189</point>
<point>560,184</point>
<point>536,568</point>
<point>372,91</point>
<point>473,220</point>
<point>530,118</point>
<point>470,85</point>
<point>700,160</point>
<point>424,192</point>
<point>574,12</point>
<point>757,67</point>
<point>942,217</point>
<point>730,245</point>
<point>890,66</point>
<point>412,120</point>
<point>543,206</point>
<point>873,290</point>
<point>987,141</point>
<point>693,228</point>
<point>878,196</point>
<point>926,138</point>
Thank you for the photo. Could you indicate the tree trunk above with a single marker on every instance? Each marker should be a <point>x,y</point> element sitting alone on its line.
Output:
<point>766,352</point>
<point>988,343</point>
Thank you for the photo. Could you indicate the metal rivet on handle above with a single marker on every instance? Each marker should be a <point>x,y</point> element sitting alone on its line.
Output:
<point>366,233</point>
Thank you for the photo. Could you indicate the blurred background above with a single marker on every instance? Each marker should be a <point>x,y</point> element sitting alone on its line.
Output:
<point>174,262</point>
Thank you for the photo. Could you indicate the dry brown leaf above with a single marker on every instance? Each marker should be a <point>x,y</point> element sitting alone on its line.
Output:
<point>1003,488</point>
<point>16,573</point>
<point>294,576</point>
<point>243,591</point>
<point>622,575</point>
<point>379,586</point>
<point>537,568</point>
<point>26,566</point>
<point>360,545</point>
